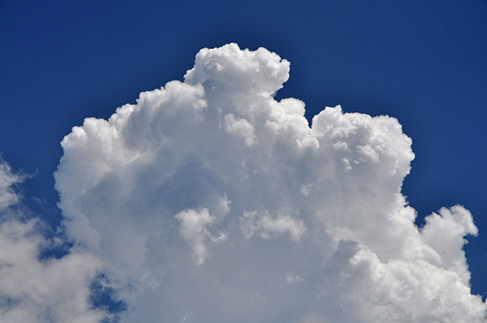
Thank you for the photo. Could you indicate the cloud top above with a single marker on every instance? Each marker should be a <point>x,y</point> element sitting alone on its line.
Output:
<point>212,187</point>
<point>231,70</point>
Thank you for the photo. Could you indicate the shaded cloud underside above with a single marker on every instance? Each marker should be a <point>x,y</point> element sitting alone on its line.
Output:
<point>210,201</point>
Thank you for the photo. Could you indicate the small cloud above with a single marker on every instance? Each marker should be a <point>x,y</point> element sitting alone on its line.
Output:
<point>293,278</point>
<point>194,229</point>
<point>266,225</point>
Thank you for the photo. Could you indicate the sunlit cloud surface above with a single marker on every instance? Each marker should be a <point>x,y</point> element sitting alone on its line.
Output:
<point>210,201</point>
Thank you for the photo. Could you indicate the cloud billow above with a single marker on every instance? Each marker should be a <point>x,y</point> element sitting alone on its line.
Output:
<point>35,287</point>
<point>210,201</point>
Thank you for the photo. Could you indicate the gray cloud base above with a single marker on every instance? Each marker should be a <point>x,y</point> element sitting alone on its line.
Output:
<point>210,201</point>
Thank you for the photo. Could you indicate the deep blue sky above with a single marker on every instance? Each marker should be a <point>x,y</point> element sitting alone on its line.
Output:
<point>423,62</point>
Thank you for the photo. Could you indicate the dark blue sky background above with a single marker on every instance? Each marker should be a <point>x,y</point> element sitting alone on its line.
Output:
<point>423,62</point>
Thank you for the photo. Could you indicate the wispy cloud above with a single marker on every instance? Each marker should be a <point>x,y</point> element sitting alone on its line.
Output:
<point>33,287</point>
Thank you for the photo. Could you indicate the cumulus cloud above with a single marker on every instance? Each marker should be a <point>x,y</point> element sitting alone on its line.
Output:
<point>210,201</point>
<point>33,287</point>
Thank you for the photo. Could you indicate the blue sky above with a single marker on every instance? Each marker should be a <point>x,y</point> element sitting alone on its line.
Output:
<point>422,62</point>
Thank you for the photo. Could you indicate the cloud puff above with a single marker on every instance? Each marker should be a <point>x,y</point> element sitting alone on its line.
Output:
<point>210,201</point>
<point>34,288</point>
<point>252,222</point>
<point>194,230</point>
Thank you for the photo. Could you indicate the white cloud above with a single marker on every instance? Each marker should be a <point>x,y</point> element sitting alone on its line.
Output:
<point>150,191</point>
<point>293,278</point>
<point>252,222</point>
<point>194,229</point>
<point>240,127</point>
<point>34,288</point>
<point>8,179</point>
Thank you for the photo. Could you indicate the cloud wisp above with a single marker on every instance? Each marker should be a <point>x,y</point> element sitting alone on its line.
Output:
<point>210,201</point>
<point>35,287</point>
